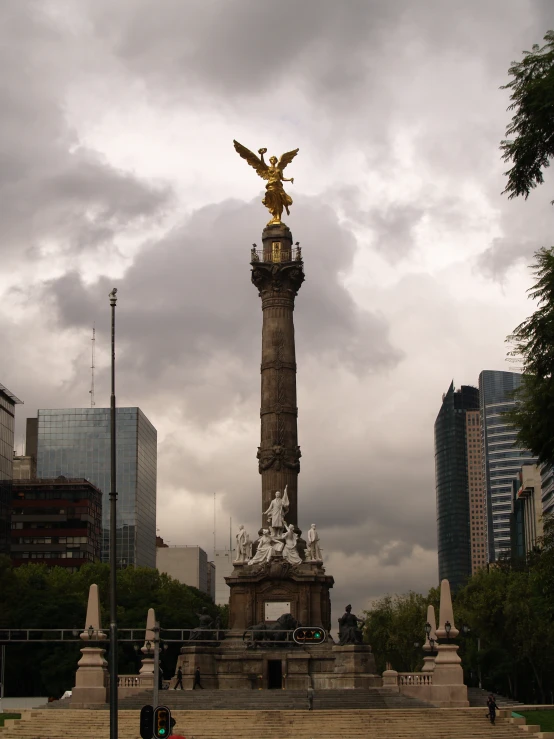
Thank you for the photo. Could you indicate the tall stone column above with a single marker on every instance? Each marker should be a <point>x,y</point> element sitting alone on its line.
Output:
<point>278,273</point>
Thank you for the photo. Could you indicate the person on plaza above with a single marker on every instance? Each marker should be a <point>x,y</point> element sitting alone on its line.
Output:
<point>179,679</point>
<point>491,705</point>
<point>197,679</point>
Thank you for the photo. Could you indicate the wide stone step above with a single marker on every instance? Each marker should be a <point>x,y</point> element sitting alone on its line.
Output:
<point>273,724</point>
<point>254,700</point>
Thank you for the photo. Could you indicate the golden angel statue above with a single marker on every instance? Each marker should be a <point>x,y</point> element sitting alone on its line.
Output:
<point>275,197</point>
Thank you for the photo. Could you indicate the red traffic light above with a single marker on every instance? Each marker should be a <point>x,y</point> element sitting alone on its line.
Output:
<point>309,635</point>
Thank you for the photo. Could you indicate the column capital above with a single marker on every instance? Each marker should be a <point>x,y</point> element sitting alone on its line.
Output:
<point>277,283</point>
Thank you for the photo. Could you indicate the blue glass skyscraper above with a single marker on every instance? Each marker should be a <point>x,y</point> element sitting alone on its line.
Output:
<point>453,484</point>
<point>503,456</point>
<point>75,442</point>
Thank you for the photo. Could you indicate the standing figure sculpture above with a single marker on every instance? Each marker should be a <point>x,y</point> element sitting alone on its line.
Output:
<point>276,199</point>
<point>276,513</point>
<point>349,633</point>
<point>243,540</point>
<point>314,552</point>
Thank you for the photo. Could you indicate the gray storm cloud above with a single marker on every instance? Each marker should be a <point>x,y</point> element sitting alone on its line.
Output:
<point>397,111</point>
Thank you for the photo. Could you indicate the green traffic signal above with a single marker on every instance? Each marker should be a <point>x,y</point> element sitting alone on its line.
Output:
<point>162,722</point>
<point>309,635</point>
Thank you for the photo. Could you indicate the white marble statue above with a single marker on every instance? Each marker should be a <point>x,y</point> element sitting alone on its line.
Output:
<point>290,552</point>
<point>314,552</point>
<point>267,546</point>
<point>243,540</point>
<point>276,513</point>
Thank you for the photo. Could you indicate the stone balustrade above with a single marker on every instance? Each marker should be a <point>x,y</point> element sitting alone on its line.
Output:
<point>415,678</point>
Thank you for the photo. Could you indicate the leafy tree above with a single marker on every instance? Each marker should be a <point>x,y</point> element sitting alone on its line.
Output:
<point>533,347</point>
<point>393,625</point>
<point>532,126</point>
<point>36,597</point>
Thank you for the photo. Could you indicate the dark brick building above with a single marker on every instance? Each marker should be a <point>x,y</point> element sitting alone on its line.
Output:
<point>56,522</point>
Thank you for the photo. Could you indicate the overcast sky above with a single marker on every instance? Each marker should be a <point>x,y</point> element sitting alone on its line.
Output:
<point>118,169</point>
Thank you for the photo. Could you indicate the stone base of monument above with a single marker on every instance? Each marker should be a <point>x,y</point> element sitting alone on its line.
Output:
<point>91,679</point>
<point>232,666</point>
<point>259,596</point>
<point>264,592</point>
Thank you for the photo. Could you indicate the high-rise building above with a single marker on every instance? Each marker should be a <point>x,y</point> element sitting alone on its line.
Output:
<point>8,402</point>
<point>223,560</point>
<point>547,487</point>
<point>24,467</point>
<point>476,491</point>
<point>56,522</point>
<point>75,442</point>
<point>452,484</point>
<point>526,521</point>
<point>502,456</point>
<point>189,565</point>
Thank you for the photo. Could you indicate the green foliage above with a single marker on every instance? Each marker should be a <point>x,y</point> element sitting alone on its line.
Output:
<point>393,625</point>
<point>545,719</point>
<point>532,126</point>
<point>511,612</point>
<point>508,612</point>
<point>533,346</point>
<point>4,716</point>
<point>33,597</point>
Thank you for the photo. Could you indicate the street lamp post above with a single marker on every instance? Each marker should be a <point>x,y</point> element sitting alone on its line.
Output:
<point>113,543</point>
<point>156,631</point>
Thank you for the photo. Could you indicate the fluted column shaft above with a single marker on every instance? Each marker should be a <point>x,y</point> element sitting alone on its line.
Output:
<point>278,278</point>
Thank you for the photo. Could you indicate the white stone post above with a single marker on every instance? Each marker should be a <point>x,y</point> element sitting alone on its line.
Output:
<point>448,690</point>
<point>147,668</point>
<point>91,679</point>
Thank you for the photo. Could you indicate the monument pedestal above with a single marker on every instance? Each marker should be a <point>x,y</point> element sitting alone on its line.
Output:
<point>354,667</point>
<point>302,591</point>
<point>231,666</point>
<point>91,680</point>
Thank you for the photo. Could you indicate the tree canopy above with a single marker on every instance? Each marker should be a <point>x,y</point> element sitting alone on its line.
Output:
<point>34,596</point>
<point>533,348</point>
<point>529,143</point>
<point>508,611</point>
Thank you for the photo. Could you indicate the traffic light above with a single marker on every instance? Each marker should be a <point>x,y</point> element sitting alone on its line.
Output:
<point>309,635</point>
<point>147,722</point>
<point>162,722</point>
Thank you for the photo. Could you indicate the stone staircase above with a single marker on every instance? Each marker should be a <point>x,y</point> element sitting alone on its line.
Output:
<point>478,697</point>
<point>267,700</point>
<point>416,723</point>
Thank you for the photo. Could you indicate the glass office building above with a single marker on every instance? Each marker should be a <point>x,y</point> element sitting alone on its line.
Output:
<point>75,442</point>
<point>8,402</point>
<point>502,456</point>
<point>452,484</point>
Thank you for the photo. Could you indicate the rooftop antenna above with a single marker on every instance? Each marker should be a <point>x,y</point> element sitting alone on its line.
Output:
<point>91,391</point>
<point>230,534</point>
<point>214,521</point>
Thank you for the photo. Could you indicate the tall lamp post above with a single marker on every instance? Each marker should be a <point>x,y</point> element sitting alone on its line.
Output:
<point>113,544</point>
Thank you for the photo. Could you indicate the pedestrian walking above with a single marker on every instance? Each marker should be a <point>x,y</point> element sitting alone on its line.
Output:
<point>310,697</point>
<point>491,705</point>
<point>197,683</point>
<point>179,679</point>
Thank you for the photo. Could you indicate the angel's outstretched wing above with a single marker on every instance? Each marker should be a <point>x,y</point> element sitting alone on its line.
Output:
<point>252,159</point>
<point>286,158</point>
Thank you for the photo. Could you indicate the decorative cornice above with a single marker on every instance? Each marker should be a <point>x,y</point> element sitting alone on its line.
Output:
<point>276,280</point>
